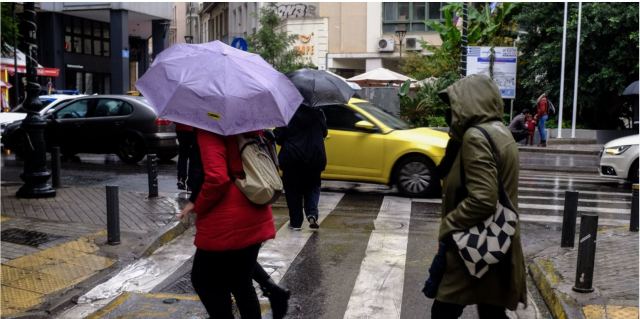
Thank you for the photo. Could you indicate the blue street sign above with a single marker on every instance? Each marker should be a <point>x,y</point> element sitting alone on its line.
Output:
<point>240,43</point>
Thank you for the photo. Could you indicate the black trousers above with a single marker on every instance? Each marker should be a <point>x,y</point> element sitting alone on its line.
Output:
<point>216,275</point>
<point>185,142</point>
<point>443,310</point>
<point>302,192</point>
<point>520,135</point>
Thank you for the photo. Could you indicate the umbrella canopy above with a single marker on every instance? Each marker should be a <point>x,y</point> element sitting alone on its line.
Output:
<point>632,89</point>
<point>320,88</point>
<point>218,88</point>
<point>380,76</point>
<point>353,85</point>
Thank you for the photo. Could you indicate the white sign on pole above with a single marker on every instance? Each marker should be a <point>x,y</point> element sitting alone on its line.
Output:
<point>504,67</point>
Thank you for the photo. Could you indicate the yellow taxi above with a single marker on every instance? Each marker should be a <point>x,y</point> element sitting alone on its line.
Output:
<point>367,144</point>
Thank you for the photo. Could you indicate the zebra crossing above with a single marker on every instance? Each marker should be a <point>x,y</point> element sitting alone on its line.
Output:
<point>382,277</point>
<point>370,256</point>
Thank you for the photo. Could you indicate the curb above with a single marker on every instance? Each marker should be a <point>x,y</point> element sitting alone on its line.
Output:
<point>558,151</point>
<point>576,169</point>
<point>547,279</point>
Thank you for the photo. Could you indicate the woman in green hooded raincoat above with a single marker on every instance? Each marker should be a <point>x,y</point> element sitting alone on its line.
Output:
<point>476,101</point>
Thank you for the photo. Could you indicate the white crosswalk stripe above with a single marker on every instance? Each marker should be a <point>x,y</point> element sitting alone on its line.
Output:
<point>277,255</point>
<point>382,269</point>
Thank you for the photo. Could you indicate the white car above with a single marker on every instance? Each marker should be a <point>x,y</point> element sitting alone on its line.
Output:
<point>48,102</point>
<point>619,158</point>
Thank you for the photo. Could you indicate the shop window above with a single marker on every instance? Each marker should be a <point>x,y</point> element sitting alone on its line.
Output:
<point>67,43</point>
<point>86,36</point>
<point>409,16</point>
<point>97,50</point>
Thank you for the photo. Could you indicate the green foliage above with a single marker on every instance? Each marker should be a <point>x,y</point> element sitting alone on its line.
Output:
<point>608,58</point>
<point>424,107</point>
<point>9,26</point>
<point>273,44</point>
<point>485,28</point>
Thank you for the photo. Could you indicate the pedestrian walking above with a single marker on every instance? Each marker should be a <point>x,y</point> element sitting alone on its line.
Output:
<point>542,114</point>
<point>479,173</point>
<point>186,139</point>
<point>278,296</point>
<point>518,126</point>
<point>223,92</point>
<point>302,159</point>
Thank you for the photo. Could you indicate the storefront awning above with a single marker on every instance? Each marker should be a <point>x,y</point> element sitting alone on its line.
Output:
<point>8,63</point>
<point>41,71</point>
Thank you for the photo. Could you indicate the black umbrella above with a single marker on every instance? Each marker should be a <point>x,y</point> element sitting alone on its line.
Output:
<point>632,89</point>
<point>320,88</point>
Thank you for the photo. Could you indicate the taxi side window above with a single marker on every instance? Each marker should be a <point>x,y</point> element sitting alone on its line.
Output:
<point>341,118</point>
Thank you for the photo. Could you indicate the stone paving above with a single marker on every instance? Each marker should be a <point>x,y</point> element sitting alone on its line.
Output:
<point>615,278</point>
<point>51,246</point>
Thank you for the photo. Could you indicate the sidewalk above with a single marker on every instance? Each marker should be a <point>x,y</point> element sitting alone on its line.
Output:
<point>615,278</point>
<point>55,249</point>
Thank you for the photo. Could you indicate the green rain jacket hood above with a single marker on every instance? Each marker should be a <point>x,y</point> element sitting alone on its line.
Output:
<point>476,101</point>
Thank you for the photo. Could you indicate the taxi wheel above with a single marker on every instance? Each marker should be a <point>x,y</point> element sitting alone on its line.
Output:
<point>415,176</point>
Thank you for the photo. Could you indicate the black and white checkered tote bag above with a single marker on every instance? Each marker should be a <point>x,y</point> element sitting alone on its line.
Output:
<point>488,243</point>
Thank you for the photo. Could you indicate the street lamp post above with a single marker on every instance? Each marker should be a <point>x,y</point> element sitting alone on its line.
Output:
<point>35,174</point>
<point>189,38</point>
<point>401,34</point>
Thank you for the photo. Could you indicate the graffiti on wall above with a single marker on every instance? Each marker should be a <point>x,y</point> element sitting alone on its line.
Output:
<point>297,10</point>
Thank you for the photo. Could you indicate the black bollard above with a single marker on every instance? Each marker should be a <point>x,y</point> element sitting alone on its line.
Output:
<point>586,253</point>
<point>569,219</point>
<point>55,167</point>
<point>113,216</point>
<point>633,222</point>
<point>152,172</point>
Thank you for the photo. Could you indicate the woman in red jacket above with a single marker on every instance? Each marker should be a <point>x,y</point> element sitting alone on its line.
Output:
<point>229,232</point>
<point>541,117</point>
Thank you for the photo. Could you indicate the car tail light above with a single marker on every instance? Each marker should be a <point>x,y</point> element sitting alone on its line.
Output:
<point>162,122</point>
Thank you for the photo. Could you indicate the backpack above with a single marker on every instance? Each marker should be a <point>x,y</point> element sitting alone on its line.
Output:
<point>261,183</point>
<point>551,109</point>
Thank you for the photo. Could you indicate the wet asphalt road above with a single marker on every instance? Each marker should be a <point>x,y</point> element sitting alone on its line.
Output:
<point>323,274</point>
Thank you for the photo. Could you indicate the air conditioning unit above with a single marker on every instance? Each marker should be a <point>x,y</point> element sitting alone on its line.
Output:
<point>385,45</point>
<point>413,44</point>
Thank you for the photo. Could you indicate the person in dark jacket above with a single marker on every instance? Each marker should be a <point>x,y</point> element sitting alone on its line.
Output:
<point>518,126</point>
<point>186,139</point>
<point>278,296</point>
<point>302,159</point>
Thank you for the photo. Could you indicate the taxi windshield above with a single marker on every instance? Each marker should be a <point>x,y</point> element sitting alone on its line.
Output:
<point>383,116</point>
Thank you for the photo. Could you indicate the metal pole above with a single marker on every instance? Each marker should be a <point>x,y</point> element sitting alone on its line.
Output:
<point>633,222</point>
<point>564,47</point>
<point>569,219</point>
<point>511,111</point>
<point>463,42</point>
<point>113,216</point>
<point>35,174</point>
<point>55,167</point>
<point>16,77</point>
<point>575,81</point>
<point>586,253</point>
<point>152,173</point>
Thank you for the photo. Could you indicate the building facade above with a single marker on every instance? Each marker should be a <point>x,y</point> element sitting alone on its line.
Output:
<point>348,38</point>
<point>101,47</point>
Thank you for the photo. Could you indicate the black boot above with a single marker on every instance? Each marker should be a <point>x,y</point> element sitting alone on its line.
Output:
<point>278,297</point>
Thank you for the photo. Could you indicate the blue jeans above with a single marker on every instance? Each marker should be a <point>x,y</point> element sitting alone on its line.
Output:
<point>541,128</point>
<point>301,189</point>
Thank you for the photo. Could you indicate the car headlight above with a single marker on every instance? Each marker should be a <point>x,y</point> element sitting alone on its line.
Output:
<point>616,150</point>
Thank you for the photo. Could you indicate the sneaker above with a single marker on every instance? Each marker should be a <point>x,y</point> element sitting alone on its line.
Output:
<point>295,228</point>
<point>313,224</point>
<point>182,185</point>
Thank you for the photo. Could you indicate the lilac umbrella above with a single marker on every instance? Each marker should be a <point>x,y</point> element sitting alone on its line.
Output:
<point>217,88</point>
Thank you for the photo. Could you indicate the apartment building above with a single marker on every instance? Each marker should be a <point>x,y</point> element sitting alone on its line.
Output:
<point>101,47</point>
